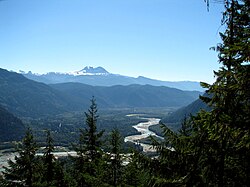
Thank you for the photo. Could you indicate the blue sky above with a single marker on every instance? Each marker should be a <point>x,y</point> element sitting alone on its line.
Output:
<point>161,39</point>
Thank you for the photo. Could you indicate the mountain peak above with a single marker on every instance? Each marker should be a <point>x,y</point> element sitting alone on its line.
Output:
<point>89,70</point>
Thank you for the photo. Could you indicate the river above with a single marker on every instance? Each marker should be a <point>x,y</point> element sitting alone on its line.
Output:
<point>140,127</point>
<point>143,128</point>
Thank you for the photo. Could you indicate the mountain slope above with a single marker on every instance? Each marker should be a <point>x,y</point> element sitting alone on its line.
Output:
<point>28,98</point>
<point>101,77</point>
<point>129,96</point>
<point>178,115</point>
<point>11,128</point>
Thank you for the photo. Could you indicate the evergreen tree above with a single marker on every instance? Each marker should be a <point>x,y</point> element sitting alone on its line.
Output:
<point>115,156</point>
<point>49,159</point>
<point>213,149</point>
<point>91,137</point>
<point>228,125</point>
<point>60,176</point>
<point>88,163</point>
<point>134,173</point>
<point>177,161</point>
<point>22,171</point>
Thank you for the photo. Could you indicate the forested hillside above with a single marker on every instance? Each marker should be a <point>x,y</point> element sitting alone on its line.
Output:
<point>180,114</point>
<point>11,128</point>
<point>27,98</point>
<point>129,96</point>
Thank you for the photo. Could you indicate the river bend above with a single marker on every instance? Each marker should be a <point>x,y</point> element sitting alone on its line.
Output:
<point>143,128</point>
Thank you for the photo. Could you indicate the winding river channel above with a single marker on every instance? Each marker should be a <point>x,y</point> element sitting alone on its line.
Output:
<point>143,129</point>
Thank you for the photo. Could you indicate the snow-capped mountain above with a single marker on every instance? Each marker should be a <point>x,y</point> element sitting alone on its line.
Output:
<point>100,77</point>
<point>88,70</point>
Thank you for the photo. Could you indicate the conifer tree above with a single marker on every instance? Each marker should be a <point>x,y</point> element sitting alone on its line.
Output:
<point>215,150</point>
<point>49,159</point>
<point>228,123</point>
<point>89,154</point>
<point>22,171</point>
<point>115,153</point>
<point>91,136</point>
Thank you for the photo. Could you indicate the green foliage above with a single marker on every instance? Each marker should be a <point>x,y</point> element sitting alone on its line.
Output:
<point>129,96</point>
<point>115,157</point>
<point>134,175</point>
<point>90,136</point>
<point>229,121</point>
<point>192,109</point>
<point>89,163</point>
<point>11,128</point>
<point>212,148</point>
<point>22,170</point>
<point>49,160</point>
<point>27,98</point>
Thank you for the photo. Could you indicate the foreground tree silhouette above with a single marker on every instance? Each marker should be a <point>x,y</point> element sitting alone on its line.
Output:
<point>228,123</point>
<point>89,154</point>
<point>91,137</point>
<point>115,156</point>
<point>53,173</point>
<point>22,171</point>
<point>49,159</point>
<point>213,149</point>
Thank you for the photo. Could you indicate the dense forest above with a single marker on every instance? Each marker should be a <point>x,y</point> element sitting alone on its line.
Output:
<point>11,124</point>
<point>211,148</point>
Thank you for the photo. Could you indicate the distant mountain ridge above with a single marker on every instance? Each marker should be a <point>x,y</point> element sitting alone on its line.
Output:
<point>101,77</point>
<point>27,98</point>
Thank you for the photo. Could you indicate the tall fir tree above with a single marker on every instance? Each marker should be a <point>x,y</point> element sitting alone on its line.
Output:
<point>49,159</point>
<point>115,156</point>
<point>89,154</point>
<point>229,120</point>
<point>23,171</point>
<point>213,149</point>
<point>91,137</point>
